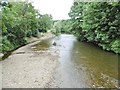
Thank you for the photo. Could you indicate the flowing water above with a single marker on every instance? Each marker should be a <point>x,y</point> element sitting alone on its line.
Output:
<point>83,65</point>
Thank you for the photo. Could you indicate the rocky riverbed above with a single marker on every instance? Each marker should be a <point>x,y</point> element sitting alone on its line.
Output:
<point>27,68</point>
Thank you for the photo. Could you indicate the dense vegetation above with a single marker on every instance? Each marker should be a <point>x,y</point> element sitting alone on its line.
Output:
<point>19,21</point>
<point>62,26</point>
<point>97,22</point>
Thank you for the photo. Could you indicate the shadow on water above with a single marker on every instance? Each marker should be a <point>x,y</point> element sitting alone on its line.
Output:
<point>85,65</point>
<point>43,45</point>
<point>102,66</point>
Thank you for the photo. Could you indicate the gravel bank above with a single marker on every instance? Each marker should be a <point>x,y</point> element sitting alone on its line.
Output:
<point>26,68</point>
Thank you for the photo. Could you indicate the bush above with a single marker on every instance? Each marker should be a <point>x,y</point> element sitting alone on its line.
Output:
<point>115,46</point>
<point>6,45</point>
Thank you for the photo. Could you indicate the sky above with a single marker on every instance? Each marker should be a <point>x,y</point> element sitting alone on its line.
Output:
<point>59,9</point>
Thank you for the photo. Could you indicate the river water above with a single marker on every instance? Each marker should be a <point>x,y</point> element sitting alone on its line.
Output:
<point>84,65</point>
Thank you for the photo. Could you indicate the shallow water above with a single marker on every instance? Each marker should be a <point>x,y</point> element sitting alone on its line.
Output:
<point>82,65</point>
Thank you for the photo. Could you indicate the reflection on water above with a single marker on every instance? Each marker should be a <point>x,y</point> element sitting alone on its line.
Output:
<point>85,65</point>
<point>43,45</point>
<point>82,65</point>
<point>102,66</point>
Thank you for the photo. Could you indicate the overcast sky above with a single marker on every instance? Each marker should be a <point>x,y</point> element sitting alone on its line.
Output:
<point>59,9</point>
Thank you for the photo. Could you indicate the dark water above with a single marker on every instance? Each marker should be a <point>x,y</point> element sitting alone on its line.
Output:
<point>83,65</point>
<point>43,45</point>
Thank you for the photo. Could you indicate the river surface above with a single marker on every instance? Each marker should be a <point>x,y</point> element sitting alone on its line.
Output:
<point>83,65</point>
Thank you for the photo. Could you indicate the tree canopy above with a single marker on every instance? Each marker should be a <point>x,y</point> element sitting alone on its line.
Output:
<point>97,22</point>
<point>21,20</point>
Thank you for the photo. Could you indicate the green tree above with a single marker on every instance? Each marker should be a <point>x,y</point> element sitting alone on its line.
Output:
<point>21,20</point>
<point>97,22</point>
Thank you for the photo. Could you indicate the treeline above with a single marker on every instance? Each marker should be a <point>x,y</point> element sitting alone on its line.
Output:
<point>62,26</point>
<point>97,22</point>
<point>19,21</point>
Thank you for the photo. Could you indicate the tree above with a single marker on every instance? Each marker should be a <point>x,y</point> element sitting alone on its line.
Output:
<point>97,22</point>
<point>45,22</point>
<point>21,20</point>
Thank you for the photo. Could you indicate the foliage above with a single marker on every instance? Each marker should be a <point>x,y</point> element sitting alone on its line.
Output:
<point>45,22</point>
<point>21,20</point>
<point>6,44</point>
<point>97,22</point>
<point>62,26</point>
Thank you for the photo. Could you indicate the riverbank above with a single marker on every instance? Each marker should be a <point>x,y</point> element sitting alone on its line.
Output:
<point>26,68</point>
<point>29,40</point>
<point>1,55</point>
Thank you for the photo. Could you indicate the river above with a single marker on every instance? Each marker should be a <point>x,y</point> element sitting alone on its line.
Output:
<point>80,64</point>
<point>84,65</point>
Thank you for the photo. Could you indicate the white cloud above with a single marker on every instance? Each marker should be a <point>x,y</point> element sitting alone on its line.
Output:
<point>59,9</point>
